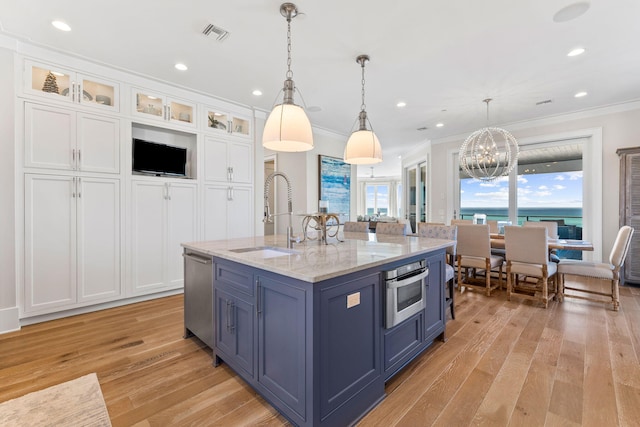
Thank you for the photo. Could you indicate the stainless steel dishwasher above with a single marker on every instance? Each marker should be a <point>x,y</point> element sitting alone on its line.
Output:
<point>198,296</point>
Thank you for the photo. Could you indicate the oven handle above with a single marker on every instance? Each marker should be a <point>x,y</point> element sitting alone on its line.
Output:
<point>408,280</point>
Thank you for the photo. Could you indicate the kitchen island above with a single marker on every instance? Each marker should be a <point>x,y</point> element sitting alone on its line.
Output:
<point>305,327</point>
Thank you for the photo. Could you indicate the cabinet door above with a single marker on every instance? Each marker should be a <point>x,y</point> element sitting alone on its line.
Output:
<point>148,235</point>
<point>281,342</point>
<point>98,93</point>
<point>235,330</point>
<point>50,242</point>
<point>216,198</point>
<point>181,112</point>
<point>98,238</point>
<point>50,137</point>
<point>215,160</point>
<point>49,81</point>
<point>240,215</point>
<point>241,126</point>
<point>349,351</point>
<point>148,104</point>
<point>181,227</point>
<point>240,162</point>
<point>434,310</point>
<point>98,144</point>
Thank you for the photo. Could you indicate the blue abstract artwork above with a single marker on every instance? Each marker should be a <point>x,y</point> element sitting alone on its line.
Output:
<point>335,185</point>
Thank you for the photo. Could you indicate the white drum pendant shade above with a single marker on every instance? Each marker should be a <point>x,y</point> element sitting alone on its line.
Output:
<point>363,148</point>
<point>288,129</point>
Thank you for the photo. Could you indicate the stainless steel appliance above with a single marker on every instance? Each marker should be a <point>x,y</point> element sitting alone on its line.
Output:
<point>198,296</point>
<point>405,292</point>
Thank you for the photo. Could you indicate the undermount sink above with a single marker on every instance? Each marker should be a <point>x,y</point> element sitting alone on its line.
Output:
<point>266,251</point>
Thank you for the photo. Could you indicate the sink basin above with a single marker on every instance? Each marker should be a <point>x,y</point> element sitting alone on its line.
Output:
<point>265,251</point>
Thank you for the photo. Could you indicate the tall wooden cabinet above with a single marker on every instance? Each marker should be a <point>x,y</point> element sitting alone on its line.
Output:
<point>630,209</point>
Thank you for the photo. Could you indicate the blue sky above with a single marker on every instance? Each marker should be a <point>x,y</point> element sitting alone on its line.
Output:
<point>560,189</point>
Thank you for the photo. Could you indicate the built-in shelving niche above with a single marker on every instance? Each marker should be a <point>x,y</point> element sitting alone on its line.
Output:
<point>169,137</point>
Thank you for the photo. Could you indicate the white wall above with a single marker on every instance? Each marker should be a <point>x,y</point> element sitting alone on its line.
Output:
<point>620,128</point>
<point>8,298</point>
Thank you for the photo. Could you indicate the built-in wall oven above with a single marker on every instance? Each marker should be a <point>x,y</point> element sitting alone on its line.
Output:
<point>405,292</point>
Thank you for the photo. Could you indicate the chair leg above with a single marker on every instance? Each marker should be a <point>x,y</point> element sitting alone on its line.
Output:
<point>487,278</point>
<point>615,293</point>
<point>509,281</point>
<point>560,280</point>
<point>452,292</point>
<point>545,291</point>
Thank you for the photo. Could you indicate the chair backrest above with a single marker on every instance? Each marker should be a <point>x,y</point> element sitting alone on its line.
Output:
<point>461,221</point>
<point>359,227</point>
<point>552,227</point>
<point>437,231</point>
<point>526,244</point>
<point>621,246</point>
<point>474,240</point>
<point>493,225</point>
<point>390,228</point>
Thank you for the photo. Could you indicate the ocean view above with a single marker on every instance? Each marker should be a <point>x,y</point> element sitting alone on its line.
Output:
<point>571,216</point>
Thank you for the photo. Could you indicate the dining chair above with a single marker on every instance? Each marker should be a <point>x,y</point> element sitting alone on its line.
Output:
<point>358,227</point>
<point>552,232</point>
<point>448,232</point>
<point>390,228</point>
<point>527,256</point>
<point>461,221</point>
<point>598,270</point>
<point>473,251</point>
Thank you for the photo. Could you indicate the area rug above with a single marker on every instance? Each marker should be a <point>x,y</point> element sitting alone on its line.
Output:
<point>74,403</point>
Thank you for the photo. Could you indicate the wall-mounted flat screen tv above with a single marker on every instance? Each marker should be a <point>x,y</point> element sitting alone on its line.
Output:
<point>159,159</point>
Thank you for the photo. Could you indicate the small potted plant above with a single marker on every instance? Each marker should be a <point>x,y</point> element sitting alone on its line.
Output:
<point>215,123</point>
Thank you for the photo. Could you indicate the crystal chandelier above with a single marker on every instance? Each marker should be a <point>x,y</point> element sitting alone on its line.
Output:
<point>288,128</point>
<point>363,146</point>
<point>489,153</point>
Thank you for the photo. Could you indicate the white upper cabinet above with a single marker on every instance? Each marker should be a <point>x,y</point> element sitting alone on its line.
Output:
<point>228,161</point>
<point>60,84</point>
<point>224,122</point>
<point>157,106</point>
<point>62,139</point>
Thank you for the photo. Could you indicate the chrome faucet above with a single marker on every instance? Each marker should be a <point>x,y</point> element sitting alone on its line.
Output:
<point>268,216</point>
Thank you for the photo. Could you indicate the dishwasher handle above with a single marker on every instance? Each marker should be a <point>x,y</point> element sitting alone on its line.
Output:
<point>394,284</point>
<point>197,258</point>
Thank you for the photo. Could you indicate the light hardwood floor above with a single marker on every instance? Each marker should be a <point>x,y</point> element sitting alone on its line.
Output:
<point>504,363</point>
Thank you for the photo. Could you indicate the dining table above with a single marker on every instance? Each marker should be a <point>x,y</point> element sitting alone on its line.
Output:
<point>497,242</point>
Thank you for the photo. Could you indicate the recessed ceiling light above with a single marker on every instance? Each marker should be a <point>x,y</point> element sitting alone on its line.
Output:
<point>439,125</point>
<point>577,51</point>
<point>580,94</point>
<point>62,26</point>
<point>401,104</point>
<point>257,92</point>
<point>180,66</point>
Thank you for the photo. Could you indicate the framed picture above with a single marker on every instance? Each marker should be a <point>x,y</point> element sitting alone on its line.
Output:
<point>335,185</point>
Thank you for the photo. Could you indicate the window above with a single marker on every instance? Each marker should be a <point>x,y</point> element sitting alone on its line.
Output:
<point>377,199</point>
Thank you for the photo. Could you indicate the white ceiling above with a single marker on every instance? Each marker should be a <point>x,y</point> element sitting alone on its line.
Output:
<point>440,57</point>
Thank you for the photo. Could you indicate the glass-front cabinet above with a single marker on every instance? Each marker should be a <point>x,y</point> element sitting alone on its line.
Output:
<point>161,107</point>
<point>221,121</point>
<point>61,84</point>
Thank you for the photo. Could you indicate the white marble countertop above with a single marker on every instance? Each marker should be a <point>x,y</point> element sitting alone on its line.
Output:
<point>312,261</point>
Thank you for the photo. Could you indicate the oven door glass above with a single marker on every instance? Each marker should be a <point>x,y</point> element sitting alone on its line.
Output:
<point>409,295</point>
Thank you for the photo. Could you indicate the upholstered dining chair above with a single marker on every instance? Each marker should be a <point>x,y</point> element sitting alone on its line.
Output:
<point>447,232</point>
<point>390,228</point>
<point>358,227</point>
<point>474,252</point>
<point>527,254</point>
<point>552,232</point>
<point>598,270</point>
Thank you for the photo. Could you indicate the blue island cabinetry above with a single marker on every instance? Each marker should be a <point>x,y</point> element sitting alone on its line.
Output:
<point>319,352</point>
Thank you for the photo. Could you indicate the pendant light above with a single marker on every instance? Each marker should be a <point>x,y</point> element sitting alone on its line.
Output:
<point>288,128</point>
<point>363,147</point>
<point>489,153</point>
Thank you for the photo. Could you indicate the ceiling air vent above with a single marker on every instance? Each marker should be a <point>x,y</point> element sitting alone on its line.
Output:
<point>221,34</point>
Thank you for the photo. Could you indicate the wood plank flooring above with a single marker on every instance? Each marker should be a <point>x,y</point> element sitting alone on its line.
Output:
<point>504,363</point>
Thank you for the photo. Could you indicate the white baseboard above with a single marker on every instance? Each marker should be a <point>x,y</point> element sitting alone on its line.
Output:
<point>9,320</point>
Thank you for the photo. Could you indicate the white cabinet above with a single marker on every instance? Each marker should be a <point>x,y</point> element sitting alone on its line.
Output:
<point>228,212</point>
<point>62,139</point>
<point>164,215</point>
<point>72,242</point>
<point>157,106</point>
<point>228,161</point>
<point>223,122</point>
<point>65,85</point>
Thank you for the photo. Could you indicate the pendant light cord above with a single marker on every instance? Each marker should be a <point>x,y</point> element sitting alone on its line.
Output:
<point>363,106</point>
<point>289,71</point>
